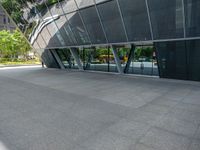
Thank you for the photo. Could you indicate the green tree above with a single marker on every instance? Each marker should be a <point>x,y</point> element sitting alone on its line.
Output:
<point>6,43</point>
<point>13,44</point>
<point>144,52</point>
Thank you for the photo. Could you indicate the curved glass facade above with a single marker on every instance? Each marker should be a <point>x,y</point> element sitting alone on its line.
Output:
<point>65,23</point>
<point>63,27</point>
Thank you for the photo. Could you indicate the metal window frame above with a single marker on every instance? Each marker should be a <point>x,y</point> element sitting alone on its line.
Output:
<point>58,59</point>
<point>184,21</point>
<point>130,57</point>
<point>41,18</point>
<point>78,10</point>
<point>58,31</point>
<point>74,52</point>
<point>117,60</point>
<point>122,19</point>
<point>131,42</point>
<point>68,22</point>
<point>100,20</point>
<point>149,18</point>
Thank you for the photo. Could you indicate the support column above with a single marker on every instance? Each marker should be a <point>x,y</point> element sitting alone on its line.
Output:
<point>131,55</point>
<point>74,52</point>
<point>117,60</point>
<point>58,59</point>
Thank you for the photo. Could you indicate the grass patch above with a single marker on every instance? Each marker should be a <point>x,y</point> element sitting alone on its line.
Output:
<point>21,62</point>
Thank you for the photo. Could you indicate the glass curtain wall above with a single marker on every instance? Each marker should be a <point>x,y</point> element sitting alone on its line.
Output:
<point>93,25</point>
<point>98,59</point>
<point>136,19</point>
<point>67,58</point>
<point>179,59</point>
<point>144,61</point>
<point>123,54</point>
<point>192,14</point>
<point>110,16</point>
<point>193,57</point>
<point>166,18</point>
<point>61,23</point>
<point>49,59</point>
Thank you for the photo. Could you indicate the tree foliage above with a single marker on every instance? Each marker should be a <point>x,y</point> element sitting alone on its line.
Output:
<point>13,44</point>
<point>144,52</point>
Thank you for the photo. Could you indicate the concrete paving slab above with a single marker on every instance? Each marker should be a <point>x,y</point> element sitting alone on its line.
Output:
<point>48,109</point>
<point>164,140</point>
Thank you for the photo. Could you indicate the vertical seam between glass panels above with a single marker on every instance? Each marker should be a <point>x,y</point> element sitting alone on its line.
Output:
<point>37,44</point>
<point>83,22</point>
<point>184,22</point>
<point>35,40</point>
<point>122,19</point>
<point>41,19</point>
<point>58,31</point>
<point>149,18</point>
<point>67,21</point>
<point>16,27</point>
<point>101,23</point>
<point>58,59</point>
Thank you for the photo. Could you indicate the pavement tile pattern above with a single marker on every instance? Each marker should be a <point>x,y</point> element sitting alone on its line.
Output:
<point>49,109</point>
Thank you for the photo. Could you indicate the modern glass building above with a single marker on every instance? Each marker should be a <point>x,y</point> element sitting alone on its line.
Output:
<point>148,37</point>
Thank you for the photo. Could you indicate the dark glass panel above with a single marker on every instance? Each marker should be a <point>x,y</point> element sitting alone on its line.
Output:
<point>193,48</point>
<point>172,59</point>
<point>136,19</point>
<point>62,23</point>
<point>49,59</point>
<point>93,25</point>
<point>49,14</point>
<point>64,30</point>
<point>78,28</point>
<point>112,22</point>
<point>166,18</point>
<point>67,58</point>
<point>192,14</point>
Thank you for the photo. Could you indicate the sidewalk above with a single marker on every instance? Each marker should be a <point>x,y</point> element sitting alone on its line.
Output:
<point>52,109</point>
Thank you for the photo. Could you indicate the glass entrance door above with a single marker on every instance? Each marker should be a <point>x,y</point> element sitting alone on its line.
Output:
<point>143,61</point>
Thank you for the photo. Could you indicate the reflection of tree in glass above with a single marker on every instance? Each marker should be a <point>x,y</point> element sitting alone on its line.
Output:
<point>144,52</point>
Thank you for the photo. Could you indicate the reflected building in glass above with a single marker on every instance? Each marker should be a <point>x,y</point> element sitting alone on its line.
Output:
<point>5,22</point>
<point>147,37</point>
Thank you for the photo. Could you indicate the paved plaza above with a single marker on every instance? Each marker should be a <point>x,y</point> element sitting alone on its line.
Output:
<point>49,109</point>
